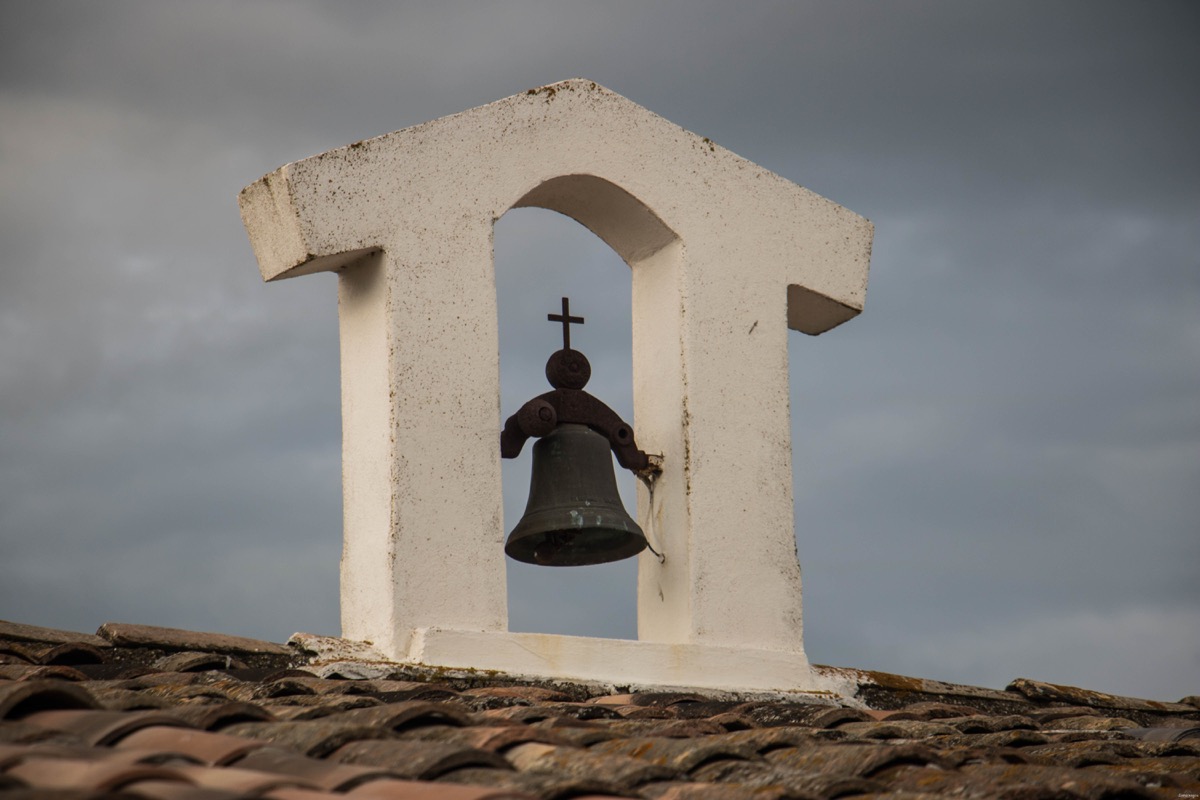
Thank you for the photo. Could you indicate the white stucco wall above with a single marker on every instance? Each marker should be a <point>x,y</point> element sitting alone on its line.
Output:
<point>726,256</point>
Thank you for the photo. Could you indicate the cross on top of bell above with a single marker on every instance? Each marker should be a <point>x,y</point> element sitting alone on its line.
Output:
<point>566,319</point>
<point>567,368</point>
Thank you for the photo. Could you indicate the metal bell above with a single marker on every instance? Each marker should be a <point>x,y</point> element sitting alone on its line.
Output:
<point>574,515</point>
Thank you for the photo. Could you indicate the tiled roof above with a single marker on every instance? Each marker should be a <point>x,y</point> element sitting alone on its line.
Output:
<point>159,713</point>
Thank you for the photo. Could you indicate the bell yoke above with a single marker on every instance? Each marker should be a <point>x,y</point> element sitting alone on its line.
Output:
<point>574,515</point>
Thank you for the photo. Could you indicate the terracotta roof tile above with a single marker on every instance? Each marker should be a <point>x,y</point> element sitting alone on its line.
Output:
<point>20,699</point>
<point>981,723</point>
<point>18,632</point>
<point>302,707</point>
<point>680,754</point>
<point>91,774</point>
<point>1002,739</point>
<point>543,785</point>
<point>492,738</point>
<point>213,749</point>
<point>1089,723</point>
<point>855,760</point>
<point>577,733</point>
<point>1177,774</point>
<point>717,791</point>
<point>34,672</point>
<point>1016,781</point>
<point>668,728</point>
<point>328,775</point>
<point>215,716</point>
<point>1049,692</point>
<point>811,716</point>
<point>158,713</point>
<point>409,790</point>
<point>317,738</point>
<point>190,661</point>
<point>932,710</point>
<point>621,771</point>
<point>531,695</point>
<point>406,715</point>
<point>125,635</point>
<point>20,732</point>
<point>100,728</point>
<point>117,699</point>
<point>1174,733</point>
<point>644,712</point>
<point>417,759</point>
<point>65,654</point>
<point>898,729</point>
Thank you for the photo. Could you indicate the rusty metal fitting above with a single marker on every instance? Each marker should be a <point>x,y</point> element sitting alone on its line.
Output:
<point>537,418</point>
<point>568,369</point>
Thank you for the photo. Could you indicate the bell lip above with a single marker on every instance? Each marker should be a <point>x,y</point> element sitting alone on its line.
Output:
<point>524,538</point>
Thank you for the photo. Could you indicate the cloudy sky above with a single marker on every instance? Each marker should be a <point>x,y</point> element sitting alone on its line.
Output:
<point>997,466</point>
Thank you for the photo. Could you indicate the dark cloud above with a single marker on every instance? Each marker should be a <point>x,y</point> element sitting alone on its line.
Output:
<point>995,466</point>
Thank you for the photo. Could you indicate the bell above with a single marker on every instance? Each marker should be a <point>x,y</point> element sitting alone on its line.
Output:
<point>574,516</point>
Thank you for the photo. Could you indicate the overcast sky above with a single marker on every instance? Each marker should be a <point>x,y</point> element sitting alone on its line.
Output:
<point>997,465</point>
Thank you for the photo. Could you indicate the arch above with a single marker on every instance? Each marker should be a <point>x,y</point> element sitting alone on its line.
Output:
<point>622,221</point>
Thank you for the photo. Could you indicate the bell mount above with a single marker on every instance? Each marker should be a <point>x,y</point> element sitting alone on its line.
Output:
<point>568,371</point>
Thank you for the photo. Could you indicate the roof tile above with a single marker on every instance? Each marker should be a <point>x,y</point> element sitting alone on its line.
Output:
<point>981,723</point>
<point>241,781</point>
<point>679,754</point>
<point>213,749</point>
<point>37,672</point>
<point>412,790</point>
<point>418,759</point>
<point>1089,723</point>
<point>578,733</point>
<point>1090,783</point>
<point>856,760</point>
<point>933,710</point>
<point>619,770</point>
<point>315,738</point>
<point>1001,739</point>
<point>718,791</point>
<point>328,775</point>
<point>304,707</point>
<point>492,738</point>
<point>20,699</point>
<point>97,775</point>
<point>812,716</point>
<point>530,694</point>
<point>544,785</point>
<point>125,635</point>
<point>191,661</point>
<point>116,699</point>
<point>900,729</point>
<point>199,725</point>
<point>101,728</point>
<point>406,715</point>
<point>15,631</point>
<point>216,716</point>
<point>1179,775</point>
<point>1050,692</point>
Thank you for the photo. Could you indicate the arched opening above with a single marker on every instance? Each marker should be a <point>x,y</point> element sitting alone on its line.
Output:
<point>542,256</point>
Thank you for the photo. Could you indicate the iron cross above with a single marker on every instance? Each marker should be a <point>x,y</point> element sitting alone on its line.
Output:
<point>566,319</point>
